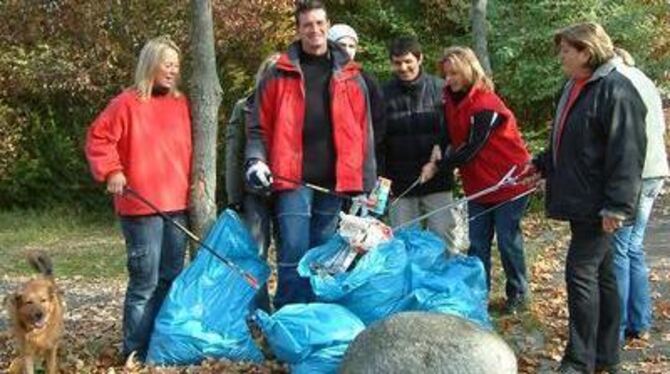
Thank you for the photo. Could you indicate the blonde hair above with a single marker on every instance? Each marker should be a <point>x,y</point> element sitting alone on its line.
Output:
<point>625,56</point>
<point>151,57</point>
<point>268,63</point>
<point>589,36</point>
<point>464,60</point>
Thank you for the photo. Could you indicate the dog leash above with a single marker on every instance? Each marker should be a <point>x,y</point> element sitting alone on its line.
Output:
<point>253,282</point>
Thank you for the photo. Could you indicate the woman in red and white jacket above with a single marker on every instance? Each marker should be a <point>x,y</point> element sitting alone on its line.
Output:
<point>486,144</point>
<point>142,140</point>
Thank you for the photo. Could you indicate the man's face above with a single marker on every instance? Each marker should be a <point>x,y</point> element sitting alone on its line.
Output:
<point>312,30</point>
<point>406,67</point>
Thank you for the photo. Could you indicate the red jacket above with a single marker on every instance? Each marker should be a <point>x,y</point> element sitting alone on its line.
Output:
<point>150,142</point>
<point>275,131</point>
<point>503,149</point>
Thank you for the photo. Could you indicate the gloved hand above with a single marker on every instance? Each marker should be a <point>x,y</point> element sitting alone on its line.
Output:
<point>258,175</point>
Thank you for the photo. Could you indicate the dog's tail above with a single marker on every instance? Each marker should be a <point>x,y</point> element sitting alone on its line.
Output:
<point>41,262</point>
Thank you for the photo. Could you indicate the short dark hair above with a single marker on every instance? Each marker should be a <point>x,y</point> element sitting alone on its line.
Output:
<point>302,6</point>
<point>403,45</point>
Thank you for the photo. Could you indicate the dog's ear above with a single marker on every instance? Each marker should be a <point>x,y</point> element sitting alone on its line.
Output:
<point>52,291</point>
<point>13,300</point>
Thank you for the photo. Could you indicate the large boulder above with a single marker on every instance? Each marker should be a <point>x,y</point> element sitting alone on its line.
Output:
<point>418,342</point>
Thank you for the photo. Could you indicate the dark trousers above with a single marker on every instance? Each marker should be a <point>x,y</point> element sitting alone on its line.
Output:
<point>593,301</point>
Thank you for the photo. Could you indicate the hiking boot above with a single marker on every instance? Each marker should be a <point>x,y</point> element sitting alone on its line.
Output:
<point>515,305</point>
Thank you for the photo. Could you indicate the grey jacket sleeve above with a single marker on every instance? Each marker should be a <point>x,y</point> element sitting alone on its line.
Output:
<point>256,148</point>
<point>234,149</point>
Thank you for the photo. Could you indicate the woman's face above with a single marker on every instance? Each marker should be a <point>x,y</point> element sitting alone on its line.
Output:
<point>574,61</point>
<point>167,73</point>
<point>349,45</point>
<point>454,78</point>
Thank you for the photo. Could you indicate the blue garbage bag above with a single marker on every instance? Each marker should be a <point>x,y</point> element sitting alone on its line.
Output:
<point>311,338</point>
<point>372,290</point>
<point>204,314</point>
<point>425,249</point>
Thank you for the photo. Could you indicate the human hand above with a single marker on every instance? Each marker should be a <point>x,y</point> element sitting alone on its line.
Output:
<point>258,175</point>
<point>116,182</point>
<point>611,224</point>
<point>436,154</point>
<point>428,171</point>
<point>529,175</point>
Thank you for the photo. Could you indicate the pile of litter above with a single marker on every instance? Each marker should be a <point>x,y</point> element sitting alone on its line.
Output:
<point>363,274</point>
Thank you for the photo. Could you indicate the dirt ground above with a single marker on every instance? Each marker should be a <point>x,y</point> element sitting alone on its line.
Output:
<point>538,336</point>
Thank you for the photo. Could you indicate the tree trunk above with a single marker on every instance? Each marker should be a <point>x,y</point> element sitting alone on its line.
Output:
<point>205,100</point>
<point>478,18</point>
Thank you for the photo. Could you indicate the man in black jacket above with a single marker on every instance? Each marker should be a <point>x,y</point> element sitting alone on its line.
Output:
<point>415,136</point>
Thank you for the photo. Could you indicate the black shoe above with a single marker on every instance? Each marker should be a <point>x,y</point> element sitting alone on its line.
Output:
<point>515,305</point>
<point>609,369</point>
<point>568,369</point>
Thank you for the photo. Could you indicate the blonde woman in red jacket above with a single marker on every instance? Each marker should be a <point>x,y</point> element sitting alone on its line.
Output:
<point>486,144</point>
<point>143,140</point>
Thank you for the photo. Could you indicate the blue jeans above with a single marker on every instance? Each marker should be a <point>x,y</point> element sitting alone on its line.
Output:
<point>155,251</point>
<point>629,263</point>
<point>305,219</point>
<point>256,211</point>
<point>505,221</point>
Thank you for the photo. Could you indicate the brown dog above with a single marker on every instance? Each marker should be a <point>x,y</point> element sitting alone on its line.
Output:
<point>36,318</point>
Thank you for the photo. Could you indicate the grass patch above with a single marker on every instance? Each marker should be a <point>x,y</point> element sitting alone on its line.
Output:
<point>80,243</point>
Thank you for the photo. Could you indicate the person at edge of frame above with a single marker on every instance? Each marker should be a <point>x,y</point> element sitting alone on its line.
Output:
<point>593,170</point>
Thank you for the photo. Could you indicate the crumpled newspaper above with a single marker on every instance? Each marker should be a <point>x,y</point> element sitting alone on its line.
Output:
<point>363,233</point>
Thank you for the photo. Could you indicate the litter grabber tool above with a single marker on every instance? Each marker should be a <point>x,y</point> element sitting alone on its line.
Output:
<point>312,186</point>
<point>375,202</point>
<point>249,278</point>
<point>507,180</point>
<point>517,197</point>
<point>407,190</point>
<point>458,236</point>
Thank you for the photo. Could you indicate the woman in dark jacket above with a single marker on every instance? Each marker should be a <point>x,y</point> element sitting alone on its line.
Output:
<point>593,174</point>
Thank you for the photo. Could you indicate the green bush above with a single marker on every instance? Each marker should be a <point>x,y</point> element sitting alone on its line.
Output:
<point>62,61</point>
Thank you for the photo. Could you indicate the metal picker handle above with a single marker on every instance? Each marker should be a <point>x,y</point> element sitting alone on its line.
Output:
<point>253,282</point>
<point>312,186</point>
<point>407,190</point>
<point>507,179</point>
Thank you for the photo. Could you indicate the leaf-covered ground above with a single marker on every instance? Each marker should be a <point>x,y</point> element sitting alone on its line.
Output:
<point>538,336</point>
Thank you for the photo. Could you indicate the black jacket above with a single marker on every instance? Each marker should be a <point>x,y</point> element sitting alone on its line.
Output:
<point>597,169</point>
<point>378,112</point>
<point>414,124</point>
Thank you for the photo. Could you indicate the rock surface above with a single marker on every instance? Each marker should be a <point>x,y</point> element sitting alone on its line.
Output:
<point>417,342</point>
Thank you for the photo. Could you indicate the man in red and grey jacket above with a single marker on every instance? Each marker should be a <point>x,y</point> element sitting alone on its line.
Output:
<point>311,123</point>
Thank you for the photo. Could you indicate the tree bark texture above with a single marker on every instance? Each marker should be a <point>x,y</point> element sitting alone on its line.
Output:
<point>480,41</point>
<point>205,97</point>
